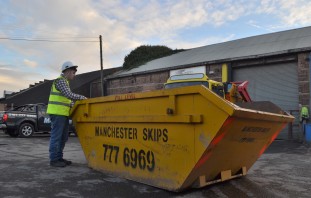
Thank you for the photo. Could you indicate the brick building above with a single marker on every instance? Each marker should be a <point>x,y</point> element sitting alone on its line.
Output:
<point>276,66</point>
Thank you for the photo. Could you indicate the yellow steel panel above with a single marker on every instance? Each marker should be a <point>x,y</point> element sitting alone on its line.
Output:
<point>153,154</point>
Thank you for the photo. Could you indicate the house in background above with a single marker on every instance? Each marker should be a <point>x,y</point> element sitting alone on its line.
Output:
<point>39,93</point>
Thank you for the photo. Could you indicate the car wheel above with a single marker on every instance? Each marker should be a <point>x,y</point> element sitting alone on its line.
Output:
<point>12,133</point>
<point>26,130</point>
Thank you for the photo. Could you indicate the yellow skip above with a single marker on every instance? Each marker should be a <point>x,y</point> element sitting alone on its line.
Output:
<point>177,138</point>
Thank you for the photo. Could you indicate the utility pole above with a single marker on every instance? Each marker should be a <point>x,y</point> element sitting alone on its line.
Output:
<point>101,65</point>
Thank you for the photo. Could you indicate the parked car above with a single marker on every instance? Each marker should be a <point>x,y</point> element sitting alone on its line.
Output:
<point>26,120</point>
<point>2,125</point>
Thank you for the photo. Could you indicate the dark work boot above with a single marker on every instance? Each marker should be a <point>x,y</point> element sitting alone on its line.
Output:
<point>57,163</point>
<point>67,162</point>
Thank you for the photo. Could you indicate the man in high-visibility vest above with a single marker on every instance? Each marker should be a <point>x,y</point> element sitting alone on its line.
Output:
<point>60,101</point>
<point>303,119</point>
<point>304,114</point>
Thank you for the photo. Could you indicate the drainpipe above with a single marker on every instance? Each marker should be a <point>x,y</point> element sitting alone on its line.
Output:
<point>226,72</point>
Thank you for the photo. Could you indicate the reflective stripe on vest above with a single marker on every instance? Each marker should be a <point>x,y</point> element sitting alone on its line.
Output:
<point>58,103</point>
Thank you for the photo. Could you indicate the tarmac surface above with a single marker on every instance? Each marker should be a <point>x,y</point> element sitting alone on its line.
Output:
<point>284,170</point>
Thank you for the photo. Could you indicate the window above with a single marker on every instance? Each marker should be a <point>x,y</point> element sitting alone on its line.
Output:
<point>183,84</point>
<point>41,110</point>
<point>27,108</point>
<point>187,76</point>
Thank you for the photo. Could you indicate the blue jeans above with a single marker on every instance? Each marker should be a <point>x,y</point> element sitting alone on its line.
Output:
<point>59,136</point>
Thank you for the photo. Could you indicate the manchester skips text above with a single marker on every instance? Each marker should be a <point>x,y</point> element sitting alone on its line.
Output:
<point>148,134</point>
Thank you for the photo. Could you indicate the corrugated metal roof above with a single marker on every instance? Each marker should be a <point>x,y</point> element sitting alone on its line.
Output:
<point>251,47</point>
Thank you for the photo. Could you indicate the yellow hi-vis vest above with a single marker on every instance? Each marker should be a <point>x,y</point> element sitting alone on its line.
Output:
<point>58,103</point>
<point>304,113</point>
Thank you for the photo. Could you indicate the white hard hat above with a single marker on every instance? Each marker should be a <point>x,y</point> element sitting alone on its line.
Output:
<point>68,65</point>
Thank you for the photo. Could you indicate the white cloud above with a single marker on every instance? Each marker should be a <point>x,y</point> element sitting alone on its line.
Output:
<point>5,68</point>
<point>298,12</point>
<point>9,80</point>
<point>293,13</point>
<point>124,26</point>
<point>206,41</point>
<point>15,80</point>
<point>30,63</point>
<point>267,7</point>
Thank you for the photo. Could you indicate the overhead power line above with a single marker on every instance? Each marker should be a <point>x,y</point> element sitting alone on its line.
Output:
<point>48,40</point>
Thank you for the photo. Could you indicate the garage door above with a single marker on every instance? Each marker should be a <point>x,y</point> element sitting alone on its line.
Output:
<point>275,83</point>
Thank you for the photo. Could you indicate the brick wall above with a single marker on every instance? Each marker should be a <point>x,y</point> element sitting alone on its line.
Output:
<point>137,83</point>
<point>155,81</point>
<point>151,81</point>
<point>2,107</point>
<point>303,79</point>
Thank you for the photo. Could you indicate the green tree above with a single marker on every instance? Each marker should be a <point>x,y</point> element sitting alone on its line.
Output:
<point>146,53</point>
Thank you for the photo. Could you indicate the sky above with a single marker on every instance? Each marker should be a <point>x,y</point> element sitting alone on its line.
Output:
<point>37,36</point>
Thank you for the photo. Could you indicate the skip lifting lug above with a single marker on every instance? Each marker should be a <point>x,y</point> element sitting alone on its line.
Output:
<point>169,111</point>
